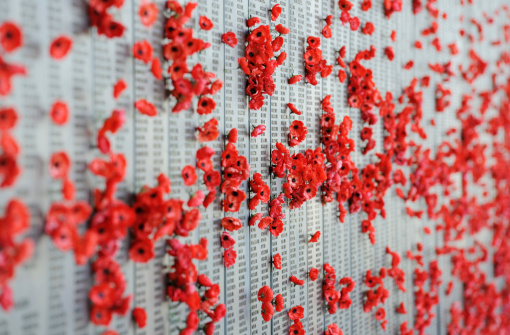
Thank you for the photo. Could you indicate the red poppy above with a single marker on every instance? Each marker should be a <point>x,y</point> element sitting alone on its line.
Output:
<point>145,107</point>
<point>205,105</point>
<point>315,237</point>
<point>366,5</point>
<point>118,88</point>
<point>141,251</point>
<point>189,175</point>
<point>100,316</point>
<point>326,32</point>
<point>265,294</point>
<point>401,309</point>
<point>11,37</point>
<point>142,50</point>
<point>258,130</point>
<point>276,227</point>
<point>252,21</point>
<point>297,281</point>
<point>232,136</point>
<point>196,199</point>
<point>230,39</point>
<point>156,70</point>
<point>231,224</point>
<point>293,109</point>
<point>313,274</point>
<point>59,112</point>
<point>368,29</point>
<point>205,23</point>
<point>226,240</point>
<point>295,79</point>
<point>8,118</point>
<point>354,23</point>
<point>267,311</point>
<point>277,261</point>
<point>60,47</point>
<point>281,29</point>
<point>275,12</point>
<point>140,317</point>
<point>380,314</point>
<point>148,13</point>
<point>296,312</point>
<point>229,257</point>
<point>280,303</point>
<point>59,165</point>
<point>389,53</point>
<point>409,65</point>
<point>342,76</point>
<point>393,35</point>
<point>102,295</point>
<point>265,222</point>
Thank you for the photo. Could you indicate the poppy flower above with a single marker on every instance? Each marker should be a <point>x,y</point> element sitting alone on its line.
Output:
<point>231,224</point>
<point>296,312</point>
<point>368,29</point>
<point>118,88</point>
<point>232,135</point>
<point>275,12</point>
<point>8,118</point>
<point>230,39</point>
<point>258,130</point>
<point>295,79</point>
<point>293,109</point>
<point>11,37</point>
<point>277,261</point>
<point>281,29</point>
<point>297,281</point>
<point>145,107</point>
<point>252,21</point>
<point>265,294</point>
<point>342,76</point>
<point>313,274</point>
<point>380,314</point>
<point>142,50</point>
<point>205,105</point>
<point>267,311</point>
<point>205,23</point>
<point>315,237</point>
<point>59,112</point>
<point>276,227</point>
<point>196,199</point>
<point>226,240</point>
<point>59,165</point>
<point>326,32</point>
<point>141,251</point>
<point>401,309</point>
<point>366,5</point>
<point>229,257</point>
<point>156,70</point>
<point>388,51</point>
<point>409,65</point>
<point>60,47</point>
<point>280,303</point>
<point>189,175</point>
<point>354,23</point>
<point>100,316</point>
<point>139,316</point>
<point>148,13</point>
<point>102,295</point>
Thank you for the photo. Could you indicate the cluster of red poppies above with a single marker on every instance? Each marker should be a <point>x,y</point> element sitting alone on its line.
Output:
<point>17,215</point>
<point>235,170</point>
<point>376,295</point>
<point>336,299</point>
<point>211,178</point>
<point>269,305</point>
<point>273,222</point>
<point>181,45</point>
<point>326,31</point>
<point>102,20</point>
<point>197,291</point>
<point>394,271</point>
<point>260,189</point>
<point>12,253</point>
<point>425,301</point>
<point>258,64</point>
<point>227,242</point>
<point>314,63</point>
<point>392,6</point>
<point>296,313</point>
<point>11,38</point>
<point>345,17</point>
